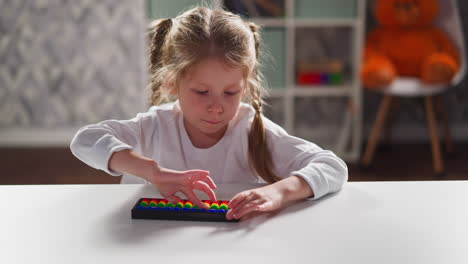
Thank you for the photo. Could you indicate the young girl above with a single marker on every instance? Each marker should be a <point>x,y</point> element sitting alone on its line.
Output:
<point>214,132</point>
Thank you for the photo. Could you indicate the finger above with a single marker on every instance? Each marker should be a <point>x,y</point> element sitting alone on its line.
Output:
<point>202,176</point>
<point>194,199</point>
<point>238,198</point>
<point>238,202</point>
<point>173,199</point>
<point>250,197</point>
<point>246,209</point>
<point>202,186</point>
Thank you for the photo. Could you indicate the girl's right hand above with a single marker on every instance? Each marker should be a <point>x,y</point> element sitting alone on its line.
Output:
<point>169,182</point>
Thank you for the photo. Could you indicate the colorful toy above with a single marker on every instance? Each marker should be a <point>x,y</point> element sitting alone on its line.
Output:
<point>157,208</point>
<point>408,44</point>
<point>328,72</point>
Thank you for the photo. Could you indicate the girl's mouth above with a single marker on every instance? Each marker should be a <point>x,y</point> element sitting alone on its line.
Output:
<point>212,122</point>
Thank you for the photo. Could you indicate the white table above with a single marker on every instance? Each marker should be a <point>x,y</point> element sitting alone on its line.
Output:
<point>366,222</point>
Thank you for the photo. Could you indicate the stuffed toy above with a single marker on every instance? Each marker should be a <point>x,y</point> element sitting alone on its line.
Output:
<point>407,44</point>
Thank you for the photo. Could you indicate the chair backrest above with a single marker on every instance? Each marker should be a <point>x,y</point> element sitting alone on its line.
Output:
<point>449,20</point>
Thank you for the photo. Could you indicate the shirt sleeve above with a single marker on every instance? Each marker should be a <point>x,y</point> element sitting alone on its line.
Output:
<point>321,169</point>
<point>95,144</point>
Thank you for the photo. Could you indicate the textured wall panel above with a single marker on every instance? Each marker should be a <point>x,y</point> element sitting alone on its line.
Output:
<point>68,63</point>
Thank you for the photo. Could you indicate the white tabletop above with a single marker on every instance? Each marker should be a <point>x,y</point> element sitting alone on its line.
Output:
<point>366,222</point>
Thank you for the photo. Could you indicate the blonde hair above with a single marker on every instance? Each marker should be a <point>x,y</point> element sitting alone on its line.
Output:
<point>178,44</point>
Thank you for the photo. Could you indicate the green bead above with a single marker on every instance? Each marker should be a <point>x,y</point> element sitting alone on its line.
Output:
<point>214,206</point>
<point>179,205</point>
<point>170,205</point>
<point>224,206</point>
<point>152,204</point>
<point>196,206</point>
<point>336,78</point>
<point>162,204</point>
<point>144,204</point>
<point>188,205</point>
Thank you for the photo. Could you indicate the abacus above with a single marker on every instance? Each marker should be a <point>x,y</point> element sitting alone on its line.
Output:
<point>157,208</point>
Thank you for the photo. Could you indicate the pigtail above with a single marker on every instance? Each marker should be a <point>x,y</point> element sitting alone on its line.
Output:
<point>159,32</point>
<point>259,153</point>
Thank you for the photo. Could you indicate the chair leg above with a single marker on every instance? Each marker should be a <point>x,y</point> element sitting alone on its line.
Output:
<point>376,130</point>
<point>436,154</point>
<point>387,134</point>
<point>440,106</point>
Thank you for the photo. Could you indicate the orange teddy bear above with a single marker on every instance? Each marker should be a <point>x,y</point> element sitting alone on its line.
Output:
<point>407,44</point>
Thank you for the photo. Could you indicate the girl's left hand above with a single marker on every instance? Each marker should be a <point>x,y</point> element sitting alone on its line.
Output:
<point>256,201</point>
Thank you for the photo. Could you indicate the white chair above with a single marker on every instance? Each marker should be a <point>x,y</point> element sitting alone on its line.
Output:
<point>450,21</point>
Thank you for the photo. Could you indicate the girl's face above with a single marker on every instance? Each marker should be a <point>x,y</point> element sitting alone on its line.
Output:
<point>209,97</point>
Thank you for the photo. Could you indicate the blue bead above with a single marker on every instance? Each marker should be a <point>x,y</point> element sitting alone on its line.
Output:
<point>177,209</point>
<point>212,211</point>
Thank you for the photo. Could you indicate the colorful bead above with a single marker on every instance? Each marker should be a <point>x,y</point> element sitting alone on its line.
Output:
<point>336,78</point>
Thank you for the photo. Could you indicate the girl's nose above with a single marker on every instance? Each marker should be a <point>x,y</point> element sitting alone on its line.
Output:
<point>216,106</point>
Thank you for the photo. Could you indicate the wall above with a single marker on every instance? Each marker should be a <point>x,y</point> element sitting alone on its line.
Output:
<point>67,63</point>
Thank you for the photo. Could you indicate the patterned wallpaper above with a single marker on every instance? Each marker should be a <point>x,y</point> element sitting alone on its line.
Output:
<point>68,63</point>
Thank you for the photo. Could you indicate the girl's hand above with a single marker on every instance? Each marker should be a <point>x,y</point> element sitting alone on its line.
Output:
<point>255,202</point>
<point>169,182</point>
<point>269,198</point>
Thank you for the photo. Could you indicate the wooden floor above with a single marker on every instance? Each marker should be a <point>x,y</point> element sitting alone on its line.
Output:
<point>405,162</point>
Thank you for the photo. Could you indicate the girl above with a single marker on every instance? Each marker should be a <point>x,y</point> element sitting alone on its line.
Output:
<point>208,62</point>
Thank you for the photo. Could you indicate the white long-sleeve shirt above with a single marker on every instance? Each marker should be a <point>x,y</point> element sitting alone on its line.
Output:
<point>160,134</point>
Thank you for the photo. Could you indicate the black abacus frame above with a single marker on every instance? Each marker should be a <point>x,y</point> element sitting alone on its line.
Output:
<point>204,216</point>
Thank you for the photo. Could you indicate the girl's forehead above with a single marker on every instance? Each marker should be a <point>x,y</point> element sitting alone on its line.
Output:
<point>213,69</point>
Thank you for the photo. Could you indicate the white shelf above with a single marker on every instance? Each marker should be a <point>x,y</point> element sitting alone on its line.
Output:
<point>321,91</point>
<point>311,91</point>
<point>348,142</point>
<point>269,22</point>
<point>305,22</point>
<point>312,22</point>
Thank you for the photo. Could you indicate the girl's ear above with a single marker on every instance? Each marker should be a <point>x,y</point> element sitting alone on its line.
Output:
<point>245,91</point>
<point>172,89</point>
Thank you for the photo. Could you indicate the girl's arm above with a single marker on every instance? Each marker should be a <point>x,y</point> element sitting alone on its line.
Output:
<point>94,144</point>
<point>115,146</point>
<point>307,171</point>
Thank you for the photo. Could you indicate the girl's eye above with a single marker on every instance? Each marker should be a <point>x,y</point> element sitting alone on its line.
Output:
<point>231,93</point>
<point>201,92</point>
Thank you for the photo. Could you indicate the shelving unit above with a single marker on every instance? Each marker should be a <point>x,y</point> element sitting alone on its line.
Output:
<point>279,35</point>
